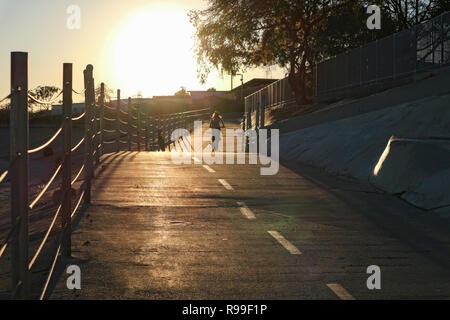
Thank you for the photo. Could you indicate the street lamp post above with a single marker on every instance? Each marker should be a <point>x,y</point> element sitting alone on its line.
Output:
<point>242,85</point>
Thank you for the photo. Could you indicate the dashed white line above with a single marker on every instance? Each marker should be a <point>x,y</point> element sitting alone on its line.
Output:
<point>246,210</point>
<point>209,168</point>
<point>340,291</point>
<point>226,184</point>
<point>286,244</point>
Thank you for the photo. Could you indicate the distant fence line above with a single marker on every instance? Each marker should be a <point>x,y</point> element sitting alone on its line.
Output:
<point>140,130</point>
<point>424,47</point>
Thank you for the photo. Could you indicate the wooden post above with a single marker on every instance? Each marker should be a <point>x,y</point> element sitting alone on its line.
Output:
<point>129,127</point>
<point>138,111</point>
<point>66,187</point>
<point>155,132</point>
<point>96,126</point>
<point>118,121</point>
<point>102,114</point>
<point>88,132</point>
<point>19,172</point>
<point>146,128</point>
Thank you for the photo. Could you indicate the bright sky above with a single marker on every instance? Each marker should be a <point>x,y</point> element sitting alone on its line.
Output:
<point>134,45</point>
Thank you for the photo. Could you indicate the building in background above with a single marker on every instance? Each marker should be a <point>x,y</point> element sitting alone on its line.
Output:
<point>228,101</point>
<point>204,98</point>
<point>77,109</point>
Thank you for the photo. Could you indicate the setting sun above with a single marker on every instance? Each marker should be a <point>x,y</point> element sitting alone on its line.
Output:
<point>152,53</point>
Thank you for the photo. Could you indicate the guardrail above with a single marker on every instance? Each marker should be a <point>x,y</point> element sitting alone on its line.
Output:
<point>142,129</point>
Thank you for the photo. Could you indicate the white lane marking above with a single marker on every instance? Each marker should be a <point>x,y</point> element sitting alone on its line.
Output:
<point>340,291</point>
<point>226,184</point>
<point>286,244</point>
<point>196,160</point>
<point>209,168</point>
<point>246,210</point>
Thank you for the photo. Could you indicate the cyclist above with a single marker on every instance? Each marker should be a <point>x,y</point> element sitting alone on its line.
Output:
<point>216,122</point>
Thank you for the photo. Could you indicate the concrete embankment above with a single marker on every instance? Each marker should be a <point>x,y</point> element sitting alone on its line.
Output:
<point>416,169</point>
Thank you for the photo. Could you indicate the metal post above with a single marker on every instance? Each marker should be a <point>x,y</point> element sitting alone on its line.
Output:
<point>415,49</point>
<point>155,128</point>
<point>146,129</point>
<point>118,121</point>
<point>130,117</point>
<point>394,66</point>
<point>262,114</point>
<point>95,126</point>
<point>442,41</point>
<point>67,163</point>
<point>102,114</point>
<point>88,132</point>
<point>249,126</point>
<point>19,135</point>
<point>243,131</point>
<point>138,111</point>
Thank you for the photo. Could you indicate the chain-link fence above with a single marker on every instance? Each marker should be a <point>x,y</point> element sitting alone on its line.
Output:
<point>422,48</point>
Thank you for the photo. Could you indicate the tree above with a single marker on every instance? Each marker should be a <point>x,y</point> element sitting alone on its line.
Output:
<point>407,13</point>
<point>42,93</point>
<point>182,93</point>
<point>337,37</point>
<point>233,35</point>
<point>211,90</point>
<point>108,93</point>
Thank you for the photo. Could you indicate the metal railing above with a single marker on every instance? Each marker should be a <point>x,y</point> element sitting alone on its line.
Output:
<point>141,130</point>
<point>18,172</point>
<point>424,47</point>
<point>136,129</point>
<point>278,93</point>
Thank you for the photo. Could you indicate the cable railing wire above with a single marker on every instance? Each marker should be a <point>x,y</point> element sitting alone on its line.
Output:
<point>49,230</point>
<point>41,147</point>
<point>3,175</point>
<point>5,98</point>
<point>79,93</point>
<point>16,288</point>
<point>47,281</point>
<point>39,196</point>
<point>79,117</point>
<point>78,204</point>
<point>5,242</point>
<point>52,269</point>
<point>77,175</point>
<point>51,101</point>
<point>77,145</point>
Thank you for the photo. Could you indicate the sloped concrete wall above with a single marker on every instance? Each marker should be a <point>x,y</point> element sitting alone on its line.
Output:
<point>353,147</point>
<point>417,170</point>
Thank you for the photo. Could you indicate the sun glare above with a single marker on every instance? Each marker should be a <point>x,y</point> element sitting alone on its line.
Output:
<point>152,53</point>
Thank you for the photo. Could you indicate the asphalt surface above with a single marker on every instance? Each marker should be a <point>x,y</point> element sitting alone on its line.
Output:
<point>157,230</point>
